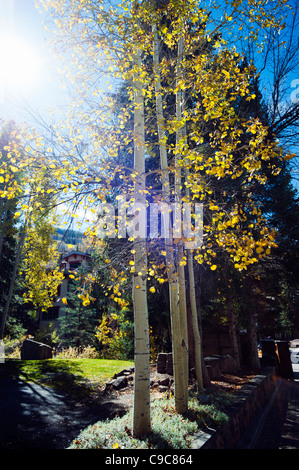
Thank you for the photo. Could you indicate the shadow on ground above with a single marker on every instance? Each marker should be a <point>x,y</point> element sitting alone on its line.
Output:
<point>33,416</point>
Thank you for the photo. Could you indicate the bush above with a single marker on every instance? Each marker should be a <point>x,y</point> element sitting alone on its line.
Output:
<point>87,352</point>
<point>47,335</point>
<point>169,429</point>
<point>12,347</point>
<point>115,335</point>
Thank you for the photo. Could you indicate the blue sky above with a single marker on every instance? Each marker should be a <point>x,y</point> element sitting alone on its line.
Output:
<point>21,19</point>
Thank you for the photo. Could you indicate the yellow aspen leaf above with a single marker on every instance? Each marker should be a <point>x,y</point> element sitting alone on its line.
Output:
<point>213,267</point>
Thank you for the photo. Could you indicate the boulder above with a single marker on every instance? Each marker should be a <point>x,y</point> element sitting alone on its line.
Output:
<point>169,364</point>
<point>164,382</point>
<point>164,363</point>
<point>216,365</point>
<point>161,363</point>
<point>32,350</point>
<point>119,383</point>
<point>213,366</point>
<point>125,372</point>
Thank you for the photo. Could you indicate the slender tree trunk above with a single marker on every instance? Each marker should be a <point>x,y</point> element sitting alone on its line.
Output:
<point>180,139</point>
<point>254,361</point>
<point>141,409</point>
<point>195,327</point>
<point>12,281</point>
<point>176,325</point>
<point>3,217</point>
<point>232,327</point>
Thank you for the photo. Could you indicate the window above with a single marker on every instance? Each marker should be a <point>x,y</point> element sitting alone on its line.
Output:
<point>74,265</point>
<point>51,314</point>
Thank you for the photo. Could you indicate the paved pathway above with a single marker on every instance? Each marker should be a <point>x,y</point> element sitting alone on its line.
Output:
<point>37,417</point>
<point>276,426</point>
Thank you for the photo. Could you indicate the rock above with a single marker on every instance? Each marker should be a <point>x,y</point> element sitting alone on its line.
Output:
<point>161,363</point>
<point>166,381</point>
<point>125,372</point>
<point>163,389</point>
<point>119,382</point>
<point>164,363</point>
<point>227,364</point>
<point>169,365</point>
<point>32,350</point>
<point>154,384</point>
<point>216,365</point>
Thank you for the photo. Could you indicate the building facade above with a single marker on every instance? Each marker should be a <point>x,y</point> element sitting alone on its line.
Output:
<point>69,263</point>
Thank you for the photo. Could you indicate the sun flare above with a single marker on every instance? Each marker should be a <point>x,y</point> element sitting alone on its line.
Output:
<point>20,65</point>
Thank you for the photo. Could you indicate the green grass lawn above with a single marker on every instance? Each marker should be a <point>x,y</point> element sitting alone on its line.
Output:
<point>74,376</point>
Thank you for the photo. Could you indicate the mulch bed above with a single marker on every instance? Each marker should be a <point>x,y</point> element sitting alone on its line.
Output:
<point>232,383</point>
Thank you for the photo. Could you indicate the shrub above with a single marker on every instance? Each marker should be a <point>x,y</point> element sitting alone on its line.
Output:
<point>12,347</point>
<point>169,429</point>
<point>47,335</point>
<point>88,352</point>
<point>115,335</point>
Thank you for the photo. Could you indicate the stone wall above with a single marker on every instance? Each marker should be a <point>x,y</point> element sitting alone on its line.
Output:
<point>248,401</point>
<point>216,365</point>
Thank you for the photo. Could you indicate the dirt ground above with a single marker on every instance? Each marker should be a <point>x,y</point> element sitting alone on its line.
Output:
<point>229,383</point>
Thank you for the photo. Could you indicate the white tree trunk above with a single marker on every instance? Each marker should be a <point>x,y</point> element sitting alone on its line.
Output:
<point>180,137</point>
<point>174,293</point>
<point>254,360</point>
<point>141,409</point>
<point>195,326</point>
<point>232,327</point>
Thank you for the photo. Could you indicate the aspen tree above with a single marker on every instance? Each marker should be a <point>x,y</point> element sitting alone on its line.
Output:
<point>175,293</point>
<point>103,40</point>
<point>141,412</point>
<point>178,195</point>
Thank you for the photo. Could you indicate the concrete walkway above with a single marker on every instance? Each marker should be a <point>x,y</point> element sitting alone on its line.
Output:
<point>276,426</point>
<point>290,432</point>
<point>37,417</point>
